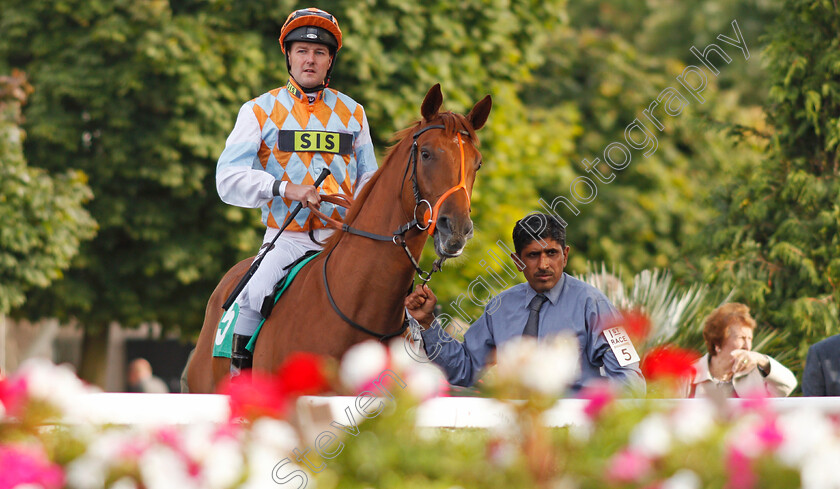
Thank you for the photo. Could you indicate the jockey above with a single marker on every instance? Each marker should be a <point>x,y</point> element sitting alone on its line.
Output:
<point>279,145</point>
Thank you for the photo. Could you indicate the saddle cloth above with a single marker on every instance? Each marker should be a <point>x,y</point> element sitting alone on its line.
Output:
<point>224,331</point>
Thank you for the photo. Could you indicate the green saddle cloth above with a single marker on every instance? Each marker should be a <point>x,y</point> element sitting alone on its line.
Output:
<point>224,331</point>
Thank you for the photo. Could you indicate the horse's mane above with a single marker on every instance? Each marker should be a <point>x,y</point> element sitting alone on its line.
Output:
<point>452,123</point>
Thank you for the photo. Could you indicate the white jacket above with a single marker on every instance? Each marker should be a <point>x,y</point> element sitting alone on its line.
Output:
<point>780,382</point>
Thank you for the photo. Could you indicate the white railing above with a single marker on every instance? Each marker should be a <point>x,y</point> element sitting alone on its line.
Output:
<point>442,412</point>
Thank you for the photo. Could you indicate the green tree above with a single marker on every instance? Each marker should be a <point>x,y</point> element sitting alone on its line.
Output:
<point>43,217</point>
<point>777,237</point>
<point>141,96</point>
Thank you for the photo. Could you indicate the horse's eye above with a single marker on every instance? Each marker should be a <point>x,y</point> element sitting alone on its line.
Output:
<point>425,154</point>
<point>480,162</point>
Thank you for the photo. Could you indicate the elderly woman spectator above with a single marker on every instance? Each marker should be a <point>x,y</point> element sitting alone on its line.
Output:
<point>731,368</point>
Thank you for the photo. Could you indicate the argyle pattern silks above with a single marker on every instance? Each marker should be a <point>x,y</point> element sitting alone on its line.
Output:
<point>332,111</point>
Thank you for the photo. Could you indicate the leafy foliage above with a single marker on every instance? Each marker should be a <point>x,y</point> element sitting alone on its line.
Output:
<point>776,238</point>
<point>43,217</point>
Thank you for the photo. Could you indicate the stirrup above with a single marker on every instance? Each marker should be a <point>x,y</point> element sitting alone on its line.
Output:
<point>240,358</point>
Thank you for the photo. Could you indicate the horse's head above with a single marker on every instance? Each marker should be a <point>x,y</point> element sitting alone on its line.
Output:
<point>446,159</point>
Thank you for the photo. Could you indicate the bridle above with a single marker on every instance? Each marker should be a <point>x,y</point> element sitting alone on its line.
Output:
<point>428,224</point>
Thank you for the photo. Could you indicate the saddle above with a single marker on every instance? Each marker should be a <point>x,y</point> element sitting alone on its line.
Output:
<point>224,334</point>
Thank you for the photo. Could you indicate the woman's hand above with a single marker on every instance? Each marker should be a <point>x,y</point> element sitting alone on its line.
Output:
<point>744,361</point>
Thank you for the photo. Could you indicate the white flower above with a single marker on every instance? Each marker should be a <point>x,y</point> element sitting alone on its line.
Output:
<point>362,364</point>
<point>423,380</point>
<point>682,479</point>
<point>693,420</point>
<point>90,470</point>
<point>806,432</point>
<point>274,437</point>
<point>55,384</point>
<point>548,367</point>
<point>819,470</point>
<point>223,465</point>
<point>651,436</point>
<point>163,468</point>
<point>124,483</point>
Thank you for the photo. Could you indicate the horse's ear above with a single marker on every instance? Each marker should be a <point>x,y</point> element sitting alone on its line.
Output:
<point>479,113</point>
<point>432,103</point>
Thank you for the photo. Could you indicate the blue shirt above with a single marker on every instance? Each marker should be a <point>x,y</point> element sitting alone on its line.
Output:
<point>572,306</point>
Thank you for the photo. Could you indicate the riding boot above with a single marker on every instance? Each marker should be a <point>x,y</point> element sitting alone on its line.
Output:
<point>240,357</point>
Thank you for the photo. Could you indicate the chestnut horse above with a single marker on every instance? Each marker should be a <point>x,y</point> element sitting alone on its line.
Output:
<point>427,177</point>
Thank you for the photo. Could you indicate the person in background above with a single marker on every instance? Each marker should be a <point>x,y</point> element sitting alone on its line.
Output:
<point>141,378</point>
<point>551,302</point>
<point>731,368</point>
<point>822,368</point>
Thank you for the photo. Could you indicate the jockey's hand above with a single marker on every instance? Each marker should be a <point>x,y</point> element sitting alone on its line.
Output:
<point>421,305</point>
<point>305,194</point>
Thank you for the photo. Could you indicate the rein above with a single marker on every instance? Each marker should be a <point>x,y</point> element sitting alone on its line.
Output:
<point>430,217</point>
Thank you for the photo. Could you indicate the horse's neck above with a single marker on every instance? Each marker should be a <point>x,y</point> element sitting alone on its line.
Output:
<point>379,266</point>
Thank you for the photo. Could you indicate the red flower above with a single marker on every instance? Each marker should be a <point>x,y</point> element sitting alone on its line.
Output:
<point>636,323</point>
<point>669,363</point>
<point>253,395</point>
<point>303,374</point>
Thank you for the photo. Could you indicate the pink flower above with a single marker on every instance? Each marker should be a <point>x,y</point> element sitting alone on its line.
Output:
<point>739,468</point>
<point>28,465</point>
<point>13,395</point>
<point>599,396</point>
<point>769,435</point>
<point>628,466</point>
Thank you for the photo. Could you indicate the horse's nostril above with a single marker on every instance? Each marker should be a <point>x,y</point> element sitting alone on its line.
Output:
<point>443,224</point>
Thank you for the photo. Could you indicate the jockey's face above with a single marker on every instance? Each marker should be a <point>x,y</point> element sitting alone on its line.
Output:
<point>309,63</point>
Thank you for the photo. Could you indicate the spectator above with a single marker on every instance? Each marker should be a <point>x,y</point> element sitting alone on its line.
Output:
<point>731,368</point>
<point>141,379</point>
<point>822,368</point>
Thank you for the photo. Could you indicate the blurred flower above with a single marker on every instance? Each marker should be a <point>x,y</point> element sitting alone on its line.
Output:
<point>668,363</point>
<point>652,436</point>
<point>805,432</point>
<point>28,465</point>
<point>819,471</point>
<point>303,374</point>
<point>12,396</point>
<point>769,435</point>
<point>54,384</point>
<point>548,367</point>
<point>253,394</point>
<point>739,469</point>
<point>635,323</point>
<point>599,395</point>
<point>692,420</point>
<point>501,452</point>
<point>423,380</point>
<point>682,479</point>
<point>628,466</point>
<point>362,364</point>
